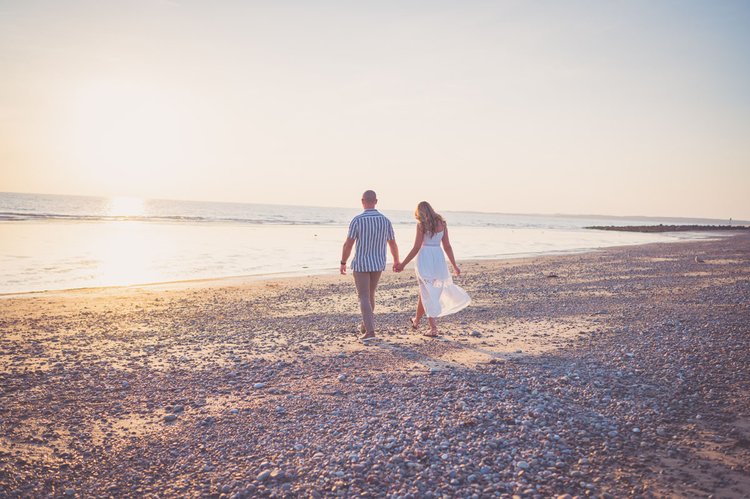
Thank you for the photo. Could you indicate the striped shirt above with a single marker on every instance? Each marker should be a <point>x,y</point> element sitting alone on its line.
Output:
<point>372,230</point>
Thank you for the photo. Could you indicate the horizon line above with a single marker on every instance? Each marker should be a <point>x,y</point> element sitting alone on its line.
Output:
<point>558,214</point>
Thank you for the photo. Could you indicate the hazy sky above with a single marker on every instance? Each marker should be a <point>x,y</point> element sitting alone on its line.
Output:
<point>621,108</point>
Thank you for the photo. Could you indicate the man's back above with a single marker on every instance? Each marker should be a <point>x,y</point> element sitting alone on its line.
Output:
<point>372,231</point>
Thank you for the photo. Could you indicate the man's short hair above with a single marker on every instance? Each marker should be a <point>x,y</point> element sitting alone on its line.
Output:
<point>369,197</point>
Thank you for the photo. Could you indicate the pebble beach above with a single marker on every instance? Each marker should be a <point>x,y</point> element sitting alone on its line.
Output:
<point>622,372</point>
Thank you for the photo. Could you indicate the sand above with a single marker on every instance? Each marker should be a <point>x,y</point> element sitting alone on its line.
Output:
<point>616,372</point>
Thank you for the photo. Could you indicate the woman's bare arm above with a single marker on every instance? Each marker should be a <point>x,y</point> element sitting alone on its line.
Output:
<point>449,250</point>
<point>417,244</point>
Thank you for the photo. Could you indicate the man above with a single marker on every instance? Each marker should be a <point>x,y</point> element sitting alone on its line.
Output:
<point>370,230</point>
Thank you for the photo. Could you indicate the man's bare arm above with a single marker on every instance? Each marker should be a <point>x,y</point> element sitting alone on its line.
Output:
<point>346,251</point>
<point>394,252</point>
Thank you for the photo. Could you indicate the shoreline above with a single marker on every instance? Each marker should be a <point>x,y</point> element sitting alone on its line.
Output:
<point>618,372</point>
<point>240,280</point>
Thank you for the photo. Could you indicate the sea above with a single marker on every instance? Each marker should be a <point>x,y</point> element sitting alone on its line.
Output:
<point>55,242</point>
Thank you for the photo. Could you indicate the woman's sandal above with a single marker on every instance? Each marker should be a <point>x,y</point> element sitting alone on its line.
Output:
<point>432,334</point>
<point>414,326</point>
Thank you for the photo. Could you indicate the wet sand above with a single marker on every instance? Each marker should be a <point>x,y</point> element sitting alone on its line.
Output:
<point>617,372</point>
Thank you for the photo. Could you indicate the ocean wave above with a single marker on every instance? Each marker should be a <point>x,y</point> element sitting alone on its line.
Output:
<point>16,216</point>
<point>284,220</point>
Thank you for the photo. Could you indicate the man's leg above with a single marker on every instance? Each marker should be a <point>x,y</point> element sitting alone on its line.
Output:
<point>362,283</point>
<point>374,278</point>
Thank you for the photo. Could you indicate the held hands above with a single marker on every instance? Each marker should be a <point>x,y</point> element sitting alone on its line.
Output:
<point>456,270</point>
<point>342,269</point>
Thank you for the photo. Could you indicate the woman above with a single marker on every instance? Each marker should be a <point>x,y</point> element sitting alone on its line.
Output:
<point>438,296</point>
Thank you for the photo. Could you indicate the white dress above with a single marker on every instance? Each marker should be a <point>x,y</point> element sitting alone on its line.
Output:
<point>439,295</point>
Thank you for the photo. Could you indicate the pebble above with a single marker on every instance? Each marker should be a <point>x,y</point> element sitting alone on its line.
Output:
<point>276,474</point>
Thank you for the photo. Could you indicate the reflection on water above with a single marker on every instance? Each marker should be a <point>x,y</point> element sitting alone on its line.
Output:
<point>126,255</point>
<point>61,254</point>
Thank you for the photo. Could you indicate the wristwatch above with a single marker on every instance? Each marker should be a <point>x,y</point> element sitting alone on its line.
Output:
<point>343,263</point>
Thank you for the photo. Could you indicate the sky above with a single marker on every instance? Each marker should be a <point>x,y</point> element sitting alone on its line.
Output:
<point>575,107</point>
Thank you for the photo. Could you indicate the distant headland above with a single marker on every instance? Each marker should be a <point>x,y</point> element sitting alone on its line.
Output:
<point>668,228</point>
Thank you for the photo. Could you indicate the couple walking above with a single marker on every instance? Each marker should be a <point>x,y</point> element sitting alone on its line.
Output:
<point>372,232</point>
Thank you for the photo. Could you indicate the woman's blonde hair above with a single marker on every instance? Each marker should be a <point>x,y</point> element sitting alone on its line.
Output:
<point>428,219</point>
